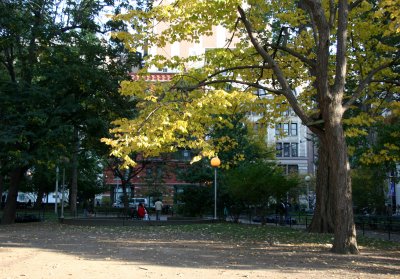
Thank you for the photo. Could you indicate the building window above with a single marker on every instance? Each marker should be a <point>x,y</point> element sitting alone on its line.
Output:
<point>286,129</point>
<point>259,127</point>
<point>287,112</point>
<point>286,149</point>
<point>289,169</point>
<point>278,129</point>
<point>295,149</point>
<point>292,169</point>
<point>186,154</point>
<point>279,149</point>
<point>256,126</point>
<point>293,129</point>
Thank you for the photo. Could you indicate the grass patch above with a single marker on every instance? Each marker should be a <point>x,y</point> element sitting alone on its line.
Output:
<point>376,243</point>
<point>241,234</point>
<point>251,233</point>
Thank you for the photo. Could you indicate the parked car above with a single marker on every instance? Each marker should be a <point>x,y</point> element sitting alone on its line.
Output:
<point>118,205</point>
<point>133,203</point>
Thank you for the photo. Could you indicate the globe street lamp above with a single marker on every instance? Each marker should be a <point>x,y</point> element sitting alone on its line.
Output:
<point>215,163</point>
<point>308,179</point>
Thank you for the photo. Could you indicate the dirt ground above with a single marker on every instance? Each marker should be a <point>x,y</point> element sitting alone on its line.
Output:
<point>50,250</point>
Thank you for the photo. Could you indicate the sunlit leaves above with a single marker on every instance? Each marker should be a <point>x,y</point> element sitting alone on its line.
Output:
<point>176,120</point>
<point>286,32</point>
<point>390,7</point>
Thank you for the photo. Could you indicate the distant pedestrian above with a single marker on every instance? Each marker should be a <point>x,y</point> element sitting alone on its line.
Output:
<point>85,208</point>
<point>226,212</point>
<point>158,206</point>
<point>141,212</point>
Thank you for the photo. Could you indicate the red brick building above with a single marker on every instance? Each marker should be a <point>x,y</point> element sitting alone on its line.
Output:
<point>156,179</point>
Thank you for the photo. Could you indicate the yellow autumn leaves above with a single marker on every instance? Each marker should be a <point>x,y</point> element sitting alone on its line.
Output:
<point>170,118</point>
<point>173,121</point>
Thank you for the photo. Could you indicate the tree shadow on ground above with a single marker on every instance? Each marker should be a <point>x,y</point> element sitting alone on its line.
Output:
<point>164,247</point>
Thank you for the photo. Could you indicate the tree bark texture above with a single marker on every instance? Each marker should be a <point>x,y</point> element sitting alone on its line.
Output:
<point>323,218</point>
<point>1,189</point>
<point>9,212</point>
<point>39,198</point>
<point>344,228</point>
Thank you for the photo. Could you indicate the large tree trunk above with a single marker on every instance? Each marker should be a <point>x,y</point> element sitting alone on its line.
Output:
<point>323,221</point>
<point>9,213</point>
<point>1,190</point>
<point>125,198</point>
<point>344,229</point>
<point>74,178</point>
<point>39,198</point>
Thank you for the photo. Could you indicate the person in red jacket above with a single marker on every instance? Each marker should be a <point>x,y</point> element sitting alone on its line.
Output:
<point>141,212</point>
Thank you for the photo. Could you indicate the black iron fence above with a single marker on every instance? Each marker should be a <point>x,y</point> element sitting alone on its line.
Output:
<point>365,223</point>
<point>379,223</point>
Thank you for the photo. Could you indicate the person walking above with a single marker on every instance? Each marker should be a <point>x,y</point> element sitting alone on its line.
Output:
<point>141,212</point>
<point>158,206</point>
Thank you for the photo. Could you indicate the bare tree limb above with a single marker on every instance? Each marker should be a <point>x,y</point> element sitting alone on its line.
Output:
<point>318,14</point>
<point>306,8</point>
<point>311,63</point>
<point>363,84</point>
<point>394,82</point>
<point>355,4</point>
<point>341,47</point>
<point>252,84</point>
<point>233,34</point>
<point>286,89</point>
<point>225,70</point>
<point>147,118</point>
<point>332,13</point>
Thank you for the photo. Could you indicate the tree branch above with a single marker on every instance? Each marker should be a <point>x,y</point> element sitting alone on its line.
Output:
<point>341,47</point>
<point>263,52</point>
<point>355,4</point>
<point>286,90</point>
<point>237,68</point>
<point>252,84</point>
<point>307,9</point>
<point>200,83</point>
<point>395,82</point>
<point>233,34</point>
<point>332,13</point>
<point>311,63</point>
<point>317,12</point>
<point>363,84</point>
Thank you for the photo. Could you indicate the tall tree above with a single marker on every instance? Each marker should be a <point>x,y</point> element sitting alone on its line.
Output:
<point>59,85</point>
<point>319,47</point>
<point>258,182</point>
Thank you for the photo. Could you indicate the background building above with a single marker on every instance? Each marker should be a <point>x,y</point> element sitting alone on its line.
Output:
<point>293,141</point>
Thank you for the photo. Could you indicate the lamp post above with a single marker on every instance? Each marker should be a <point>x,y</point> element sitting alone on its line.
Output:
<point>56,193</point>
<point>215,163</point>
<point>62,194</point>
<point>307,179</point>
